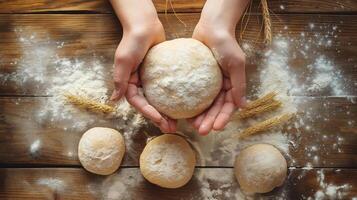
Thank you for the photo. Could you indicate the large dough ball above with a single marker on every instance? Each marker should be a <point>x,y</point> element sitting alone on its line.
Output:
<point>101,150</point>
<point>180,77</point>
<point>260,168</point>
<point>168,161</point>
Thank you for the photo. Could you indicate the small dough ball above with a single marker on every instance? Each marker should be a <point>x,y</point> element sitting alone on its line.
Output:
<point>168,161</point>
<point>260,168</point>
<point>180,77</point>
<point>101,150</point>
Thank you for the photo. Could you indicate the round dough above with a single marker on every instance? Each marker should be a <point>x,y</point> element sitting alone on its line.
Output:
<point>180,77</point>
<point>101,150</point>
<point>260,168</point>
<point>168,161</point>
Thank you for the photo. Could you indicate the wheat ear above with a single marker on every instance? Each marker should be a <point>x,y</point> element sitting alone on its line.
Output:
<point>89,104</point>
<point>265,125</point>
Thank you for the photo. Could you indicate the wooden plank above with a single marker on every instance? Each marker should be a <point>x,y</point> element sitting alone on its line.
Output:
<point>102,6</point>
<point>86,37</point>
<point>127,183</point>
<point>328,138</point>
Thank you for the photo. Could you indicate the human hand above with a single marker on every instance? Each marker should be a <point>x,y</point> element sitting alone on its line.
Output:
<point>128,56</point>
<point>231,59</point>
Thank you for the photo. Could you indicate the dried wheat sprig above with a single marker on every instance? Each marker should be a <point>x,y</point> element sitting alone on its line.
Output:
<point>261,101</point>
<point>267,22</point>
<point>89,104</point>
<point>245,113</point>
<point>265,125</point>
<point>246,13</point>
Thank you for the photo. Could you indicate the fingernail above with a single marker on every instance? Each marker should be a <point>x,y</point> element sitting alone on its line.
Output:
<point>201,130</point>
<point>243,102</point>
<point>114,96</point>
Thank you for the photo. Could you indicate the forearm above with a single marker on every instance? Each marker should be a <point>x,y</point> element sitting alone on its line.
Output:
<point>135,13</point>
<point>223,14</point>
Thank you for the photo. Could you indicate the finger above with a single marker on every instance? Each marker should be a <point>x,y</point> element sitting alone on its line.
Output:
<point>225,113</point>
<point>227,84</point>
<point>141,104</point>
<point>208,121</point>
<point>198,120</point>
<point>121,76</point>
<point>134,78</point>
<point>172,124</point>
<point>238,81</point>
<point>163,125</point>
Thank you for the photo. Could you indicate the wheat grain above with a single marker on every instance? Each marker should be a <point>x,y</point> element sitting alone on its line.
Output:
<point>261,101</point>
<point>89,104</point>
<point>267,22</point>
<point>265,125</point>
<point>245,113</point>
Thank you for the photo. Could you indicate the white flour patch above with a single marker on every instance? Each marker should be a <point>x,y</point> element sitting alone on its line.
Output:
<point>35,147</point>
<point>121,185</point>
<point>53,183</point>
<point>326,76</point>
<point>329,190</point>
<point>218,184</point>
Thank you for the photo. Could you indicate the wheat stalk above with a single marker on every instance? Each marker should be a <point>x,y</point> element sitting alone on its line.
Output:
<point>265,125</point>
<point>89,104</point>
<point>245,113</point>
<point>267,22</point>
<point>261,101</point>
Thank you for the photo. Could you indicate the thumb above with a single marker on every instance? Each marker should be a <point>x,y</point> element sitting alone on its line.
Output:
<point>121,75</point>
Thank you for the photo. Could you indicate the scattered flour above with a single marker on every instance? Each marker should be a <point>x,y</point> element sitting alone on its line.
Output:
<point>326,76</point>
<point>54,76</point>
<point>55,184</point>
<point>218,184</point>
<point>51,76</point>
<point>328,190</point>
<point>35,147</point>
<point>121,185</point>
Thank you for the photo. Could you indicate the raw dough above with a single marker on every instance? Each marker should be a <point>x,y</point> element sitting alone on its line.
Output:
<point>260,168</point>
<point>168,161</point>
<point>101,150</point>
<point>180,77</point>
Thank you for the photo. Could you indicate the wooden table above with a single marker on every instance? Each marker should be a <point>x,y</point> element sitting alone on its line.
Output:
<point>90,26</point>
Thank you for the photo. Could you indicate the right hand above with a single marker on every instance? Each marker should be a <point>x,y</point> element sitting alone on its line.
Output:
<point>231,59</point>
<point>128,56</point>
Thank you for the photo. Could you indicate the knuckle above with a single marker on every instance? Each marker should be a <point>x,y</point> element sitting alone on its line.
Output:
<point>240,59</point>
<point>236,62</point>
<point>121,57</point>
<point>119,82</point>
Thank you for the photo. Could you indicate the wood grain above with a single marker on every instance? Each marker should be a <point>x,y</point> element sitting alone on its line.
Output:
<point>127,183</point>
<point>103,6</point>
<point>330,131</point>
<point>90,36</point>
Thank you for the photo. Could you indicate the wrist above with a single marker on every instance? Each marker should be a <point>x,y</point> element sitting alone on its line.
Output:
<point>222,30</point>
<point>146,32</point>
<point>141,23</point>
<point>216,25</point>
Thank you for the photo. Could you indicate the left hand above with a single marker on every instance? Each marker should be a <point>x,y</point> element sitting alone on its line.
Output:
<point>231,59</point>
